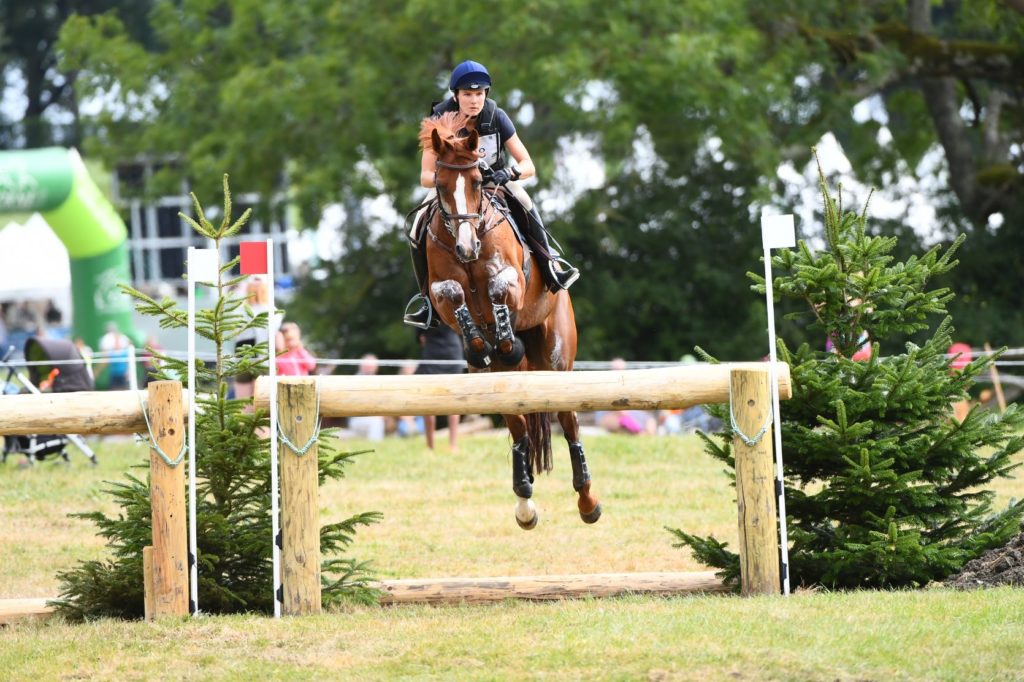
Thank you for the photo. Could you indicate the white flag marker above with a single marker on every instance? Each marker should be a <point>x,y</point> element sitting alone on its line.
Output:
<point>777,232</point>
<point>203,266</point>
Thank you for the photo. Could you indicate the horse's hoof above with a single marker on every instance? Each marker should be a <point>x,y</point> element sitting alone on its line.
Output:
<point>515,355</point>
<point>593,516</point>
<point>526,514</point>
<point>530,525</point>
<point>480,360</point>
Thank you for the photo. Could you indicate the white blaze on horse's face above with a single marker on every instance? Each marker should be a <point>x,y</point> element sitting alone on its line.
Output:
<point>467,246</point>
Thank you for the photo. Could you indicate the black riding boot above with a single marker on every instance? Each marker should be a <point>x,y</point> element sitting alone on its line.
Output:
<point>558,274</point>
<point>423,317</point>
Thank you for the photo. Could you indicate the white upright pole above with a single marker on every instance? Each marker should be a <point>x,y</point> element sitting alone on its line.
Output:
<point>776,232</point>
<point>193,580</point>
<point>133,367</point>
<point>272,361</point>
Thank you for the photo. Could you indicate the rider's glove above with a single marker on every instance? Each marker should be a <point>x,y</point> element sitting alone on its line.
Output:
<point>502,176</point>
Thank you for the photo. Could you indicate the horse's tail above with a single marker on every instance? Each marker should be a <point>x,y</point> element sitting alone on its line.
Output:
<point>538,428</point>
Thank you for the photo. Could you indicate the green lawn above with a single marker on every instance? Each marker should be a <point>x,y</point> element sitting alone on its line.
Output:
<point>450,514</point>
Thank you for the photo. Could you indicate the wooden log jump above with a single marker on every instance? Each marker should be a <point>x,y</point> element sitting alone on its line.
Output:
<point>524,392</point>
<point>506,393</point>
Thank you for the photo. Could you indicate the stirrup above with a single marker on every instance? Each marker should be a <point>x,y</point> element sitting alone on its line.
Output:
<point>563,275</point>
<point>423,317</point>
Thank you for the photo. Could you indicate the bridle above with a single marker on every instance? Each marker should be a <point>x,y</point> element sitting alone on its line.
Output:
<point>450,218</point>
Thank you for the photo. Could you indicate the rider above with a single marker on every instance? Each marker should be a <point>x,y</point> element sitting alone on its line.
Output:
<point>470,84</point>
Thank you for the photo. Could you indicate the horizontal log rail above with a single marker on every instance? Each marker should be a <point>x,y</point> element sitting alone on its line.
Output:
<point>84,413</point>
<point>525,392</point>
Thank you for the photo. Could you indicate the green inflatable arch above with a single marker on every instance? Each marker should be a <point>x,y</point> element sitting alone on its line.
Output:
<point>55,182</point>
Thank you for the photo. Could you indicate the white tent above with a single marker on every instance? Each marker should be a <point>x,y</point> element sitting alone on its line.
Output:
<point>34,264</point>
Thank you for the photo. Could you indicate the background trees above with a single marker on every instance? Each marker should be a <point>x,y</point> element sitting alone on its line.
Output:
<point>686,110</point>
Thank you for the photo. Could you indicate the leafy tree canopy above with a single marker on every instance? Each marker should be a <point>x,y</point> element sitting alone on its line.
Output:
<point>324,97</point>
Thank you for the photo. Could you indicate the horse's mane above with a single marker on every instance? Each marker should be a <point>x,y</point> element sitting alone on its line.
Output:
<point>446,125</point>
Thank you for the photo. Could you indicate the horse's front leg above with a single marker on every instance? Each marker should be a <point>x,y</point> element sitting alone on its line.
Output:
<point>587,503</point>
<point>450,300</point>
<point>504,287</point>
<point>522,473</point>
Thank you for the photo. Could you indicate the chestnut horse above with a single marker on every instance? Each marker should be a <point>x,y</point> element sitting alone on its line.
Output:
<point>507,318</point>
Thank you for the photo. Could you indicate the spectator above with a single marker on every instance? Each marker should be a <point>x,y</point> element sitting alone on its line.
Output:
<point>86,352</point>
<point>960,356</point>
<point>440,343</point>
<point>258,299</point>
<point>626,421</point>
<point>409,425</point>
<point>370,427</point>
<point>114,346</point>
<point>296,361</point>
<point>3,327</point>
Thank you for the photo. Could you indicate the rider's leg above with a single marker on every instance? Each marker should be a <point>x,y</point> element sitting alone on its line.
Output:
<point>424,316</point>
<point>558,274</point>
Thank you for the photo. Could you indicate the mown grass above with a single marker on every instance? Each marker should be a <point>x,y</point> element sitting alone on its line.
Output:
<point>450,514</point>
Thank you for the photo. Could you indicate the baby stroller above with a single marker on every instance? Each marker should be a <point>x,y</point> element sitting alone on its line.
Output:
<point>58,377</point>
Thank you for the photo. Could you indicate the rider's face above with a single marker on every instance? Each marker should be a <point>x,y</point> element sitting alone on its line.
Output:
<point>471,102</point>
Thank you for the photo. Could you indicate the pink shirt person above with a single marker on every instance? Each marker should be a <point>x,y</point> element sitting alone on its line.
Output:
<point>296,361</point>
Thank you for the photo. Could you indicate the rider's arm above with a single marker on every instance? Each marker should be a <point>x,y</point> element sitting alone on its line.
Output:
<point>428,165</point>
<point>518,151</point>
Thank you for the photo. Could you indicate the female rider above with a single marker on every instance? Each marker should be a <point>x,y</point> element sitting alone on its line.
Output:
<point>470,84</point>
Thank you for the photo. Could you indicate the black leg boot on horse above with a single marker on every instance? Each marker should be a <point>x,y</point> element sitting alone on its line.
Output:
<point>423,315</point>
<point>590,508</point>
<point>522,484</point>
<point>558,274</point>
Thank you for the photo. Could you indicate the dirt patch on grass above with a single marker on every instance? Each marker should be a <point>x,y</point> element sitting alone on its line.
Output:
<point>1000,566</point>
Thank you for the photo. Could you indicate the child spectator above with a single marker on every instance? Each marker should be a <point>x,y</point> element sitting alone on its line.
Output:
<point>296,361</point>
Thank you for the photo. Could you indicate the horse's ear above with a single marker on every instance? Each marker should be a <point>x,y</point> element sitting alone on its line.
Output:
<point>473,140</point>
<point>436,142</point>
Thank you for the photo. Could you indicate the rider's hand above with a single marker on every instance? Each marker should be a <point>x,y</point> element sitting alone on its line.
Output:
<point>500,177</point>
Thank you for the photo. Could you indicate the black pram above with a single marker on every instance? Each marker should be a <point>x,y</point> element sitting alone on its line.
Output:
<point>49,356</point>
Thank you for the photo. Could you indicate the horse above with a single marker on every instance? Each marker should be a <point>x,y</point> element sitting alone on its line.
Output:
<point>487,287</point>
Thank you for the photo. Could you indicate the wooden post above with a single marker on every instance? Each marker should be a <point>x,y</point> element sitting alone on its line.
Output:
<point>147,582</point>
<point>300,501</point>
<point>755,484</point>
<point>167,499</point>
<point>996,383</point>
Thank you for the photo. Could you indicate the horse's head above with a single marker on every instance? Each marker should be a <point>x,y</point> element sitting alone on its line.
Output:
<point>458,181</point>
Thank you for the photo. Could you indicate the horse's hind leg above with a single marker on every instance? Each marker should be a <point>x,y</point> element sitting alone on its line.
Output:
<point>522,474</point>
<point>587,503</point>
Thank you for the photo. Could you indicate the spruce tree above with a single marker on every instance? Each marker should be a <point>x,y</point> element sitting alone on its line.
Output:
<point>883,487</point>
<point>232,473</point>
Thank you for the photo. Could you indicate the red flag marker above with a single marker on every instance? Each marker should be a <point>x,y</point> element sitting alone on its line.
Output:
<point>254,258</point>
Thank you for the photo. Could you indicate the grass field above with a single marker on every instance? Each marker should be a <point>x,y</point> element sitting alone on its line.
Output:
<point>450,514</point>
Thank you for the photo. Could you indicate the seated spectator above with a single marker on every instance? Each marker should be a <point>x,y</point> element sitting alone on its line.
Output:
<point>626,421</point>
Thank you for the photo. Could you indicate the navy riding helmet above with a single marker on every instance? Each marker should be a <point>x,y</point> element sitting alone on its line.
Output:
<point>469,75</point>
